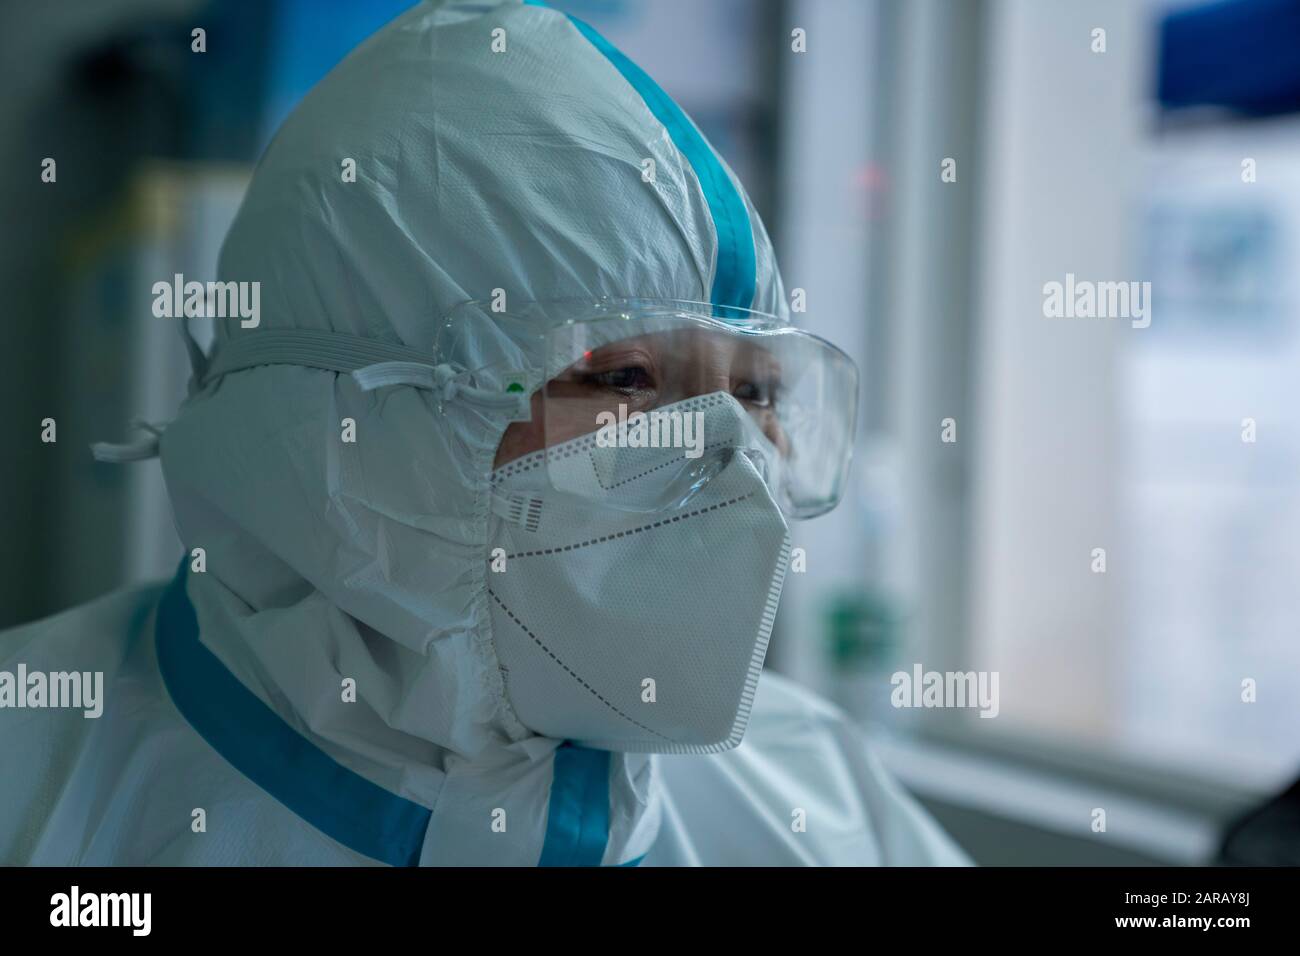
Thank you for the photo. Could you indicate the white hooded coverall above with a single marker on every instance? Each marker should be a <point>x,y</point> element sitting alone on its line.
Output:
<point>226,736</point>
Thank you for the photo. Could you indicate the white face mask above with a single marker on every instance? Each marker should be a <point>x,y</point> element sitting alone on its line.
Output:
<point>637,631</point>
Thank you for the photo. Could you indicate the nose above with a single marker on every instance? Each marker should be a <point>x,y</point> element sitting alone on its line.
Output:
<point>705,377</point>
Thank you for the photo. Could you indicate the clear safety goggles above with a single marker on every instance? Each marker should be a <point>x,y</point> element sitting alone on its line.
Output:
<point>620,376</point>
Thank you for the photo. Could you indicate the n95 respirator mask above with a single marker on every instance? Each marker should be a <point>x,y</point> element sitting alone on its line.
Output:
<point>628,629</point>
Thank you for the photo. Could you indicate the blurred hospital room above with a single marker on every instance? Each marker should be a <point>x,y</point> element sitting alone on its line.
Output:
<point>1096,513</point>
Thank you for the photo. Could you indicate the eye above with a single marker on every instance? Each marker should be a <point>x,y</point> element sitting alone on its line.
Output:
<point>629,378</point>
<point>762,394</point>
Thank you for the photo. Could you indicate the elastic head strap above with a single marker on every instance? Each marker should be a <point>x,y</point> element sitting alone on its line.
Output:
<point>372,364</point>
<point>312,348</point>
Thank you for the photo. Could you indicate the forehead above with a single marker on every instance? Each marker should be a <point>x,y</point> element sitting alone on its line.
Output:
<point>688,345</point>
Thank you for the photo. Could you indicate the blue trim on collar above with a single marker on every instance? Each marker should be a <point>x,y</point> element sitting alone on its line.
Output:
<point>259,744</point>
<point>735,277</point>
<point>577,821</point>
<point>340,803</point>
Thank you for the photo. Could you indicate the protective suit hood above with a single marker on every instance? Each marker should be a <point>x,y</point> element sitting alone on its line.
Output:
<point>498,148</point>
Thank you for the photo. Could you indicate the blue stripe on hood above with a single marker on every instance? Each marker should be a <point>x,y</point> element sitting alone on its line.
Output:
<point>735,277</point>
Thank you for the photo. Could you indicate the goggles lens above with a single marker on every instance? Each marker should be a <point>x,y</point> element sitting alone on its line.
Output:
<point>643,402</point>
<point>658,381</point>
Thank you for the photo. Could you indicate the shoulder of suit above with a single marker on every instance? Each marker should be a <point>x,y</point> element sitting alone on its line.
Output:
<point>781,700</point>
<point>116,614</point>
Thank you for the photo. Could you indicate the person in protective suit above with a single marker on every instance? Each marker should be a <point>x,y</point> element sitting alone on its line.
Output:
<point>486,521</point>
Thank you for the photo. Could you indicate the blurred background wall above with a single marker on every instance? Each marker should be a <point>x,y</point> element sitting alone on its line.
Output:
<point>1115,140</point>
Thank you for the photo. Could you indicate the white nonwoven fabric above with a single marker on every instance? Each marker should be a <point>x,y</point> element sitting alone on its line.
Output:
<point>326,559</point>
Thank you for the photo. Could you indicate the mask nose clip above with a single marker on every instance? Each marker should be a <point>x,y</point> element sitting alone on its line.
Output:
<point>765,465</point>
<point>692,479</point>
